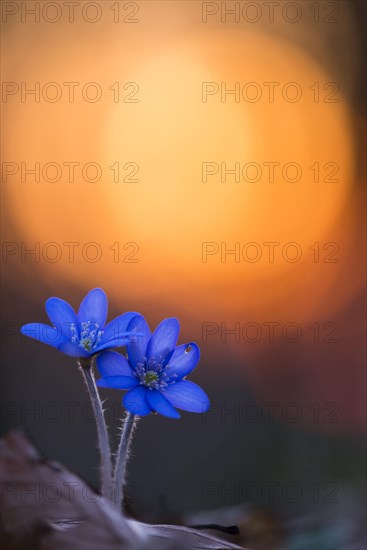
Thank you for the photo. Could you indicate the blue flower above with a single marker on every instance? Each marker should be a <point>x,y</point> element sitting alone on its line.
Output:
<point>83,334</point>
<point>154,371</point>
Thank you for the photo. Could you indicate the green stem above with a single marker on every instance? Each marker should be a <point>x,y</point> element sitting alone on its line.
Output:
<point>86,368</point>
<point>123,456</point>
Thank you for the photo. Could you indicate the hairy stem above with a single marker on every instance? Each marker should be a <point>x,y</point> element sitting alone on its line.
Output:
<point>122,457</point>
<point>86,368</point>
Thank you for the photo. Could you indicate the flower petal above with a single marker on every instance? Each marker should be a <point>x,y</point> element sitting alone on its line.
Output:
<point>118,382</point>
<point>183,360</point>
<point>187,396</point>
<point>116,330</point>
<point>69,348</point>
<point>160,404</point>
<point>62,315</point>
<point>110,363</point>
<point>164,338</point>
<point>43,333</point>
<point>134,401</point>
<point>94,308</point>
<point>117,343</point>
<point>137,347</point>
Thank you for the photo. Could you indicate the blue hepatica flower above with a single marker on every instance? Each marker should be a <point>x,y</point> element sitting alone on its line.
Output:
<point>154,371</point>
<point>85,333</point>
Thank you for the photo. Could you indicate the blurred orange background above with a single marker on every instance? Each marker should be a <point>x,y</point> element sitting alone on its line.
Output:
<point>169,212</point>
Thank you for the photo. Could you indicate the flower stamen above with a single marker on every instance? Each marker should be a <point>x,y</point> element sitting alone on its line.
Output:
<point>152,374</point>
<point>90,335</point>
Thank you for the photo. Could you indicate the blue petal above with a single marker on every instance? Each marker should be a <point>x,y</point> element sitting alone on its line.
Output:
<point>62,315</point>
<point>69,348</point>
<point>187,396</point>
<point>137,347</point>
<point>160,404</point>
<point>43,333</point>
<point>116,330</point>
<point>118,382</point>
<point>164,338</point>
<point>110,363</point>
<point>134,401</point>
<point>117,343</point>
<point>183,360</point>
<point>94,307</point>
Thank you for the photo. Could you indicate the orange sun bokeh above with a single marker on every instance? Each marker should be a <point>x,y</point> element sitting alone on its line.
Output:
<point>223,163</point>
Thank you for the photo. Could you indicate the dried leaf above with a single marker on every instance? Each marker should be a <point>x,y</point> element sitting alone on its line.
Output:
<point>46,507</point>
